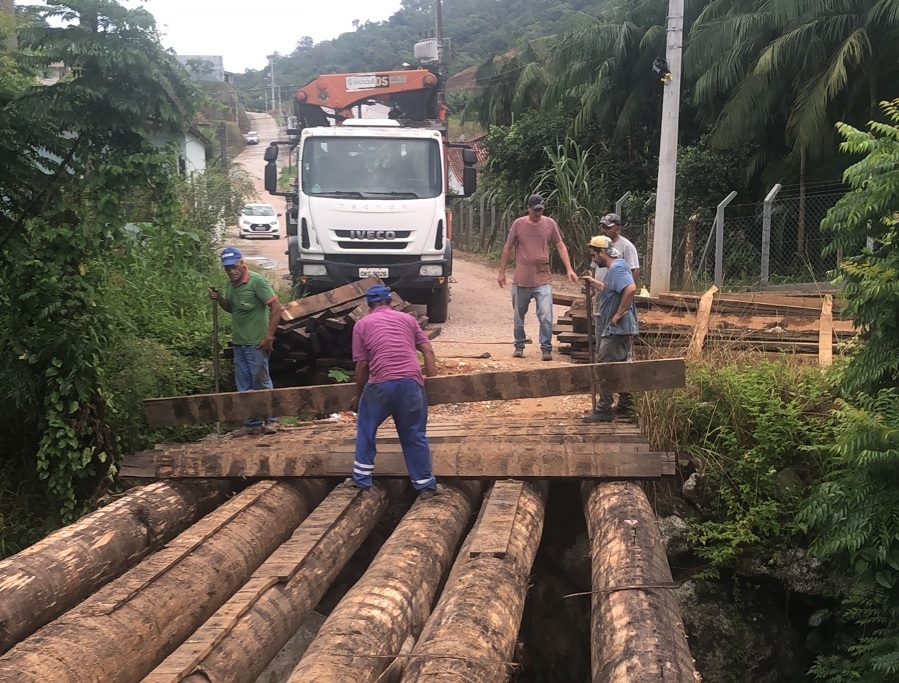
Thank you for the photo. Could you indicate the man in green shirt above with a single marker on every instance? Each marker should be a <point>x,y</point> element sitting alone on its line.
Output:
<point>246,298</point>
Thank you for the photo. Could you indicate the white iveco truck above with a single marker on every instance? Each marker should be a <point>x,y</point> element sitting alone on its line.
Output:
<point>371,194</point>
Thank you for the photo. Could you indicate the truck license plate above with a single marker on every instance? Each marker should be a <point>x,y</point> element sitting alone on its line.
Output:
<point>374,272</point>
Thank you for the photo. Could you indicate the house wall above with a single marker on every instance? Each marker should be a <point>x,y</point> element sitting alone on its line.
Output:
<point>194,155</point>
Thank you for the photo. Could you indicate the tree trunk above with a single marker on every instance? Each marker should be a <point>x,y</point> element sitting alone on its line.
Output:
<point>121,632</point>
<point>800,234</point>
<point>341,523</point>
<point>637,633</point>
<point>472,633</point>
<point>43,581</point>
<point>394,597</point>
<point>8,11</point>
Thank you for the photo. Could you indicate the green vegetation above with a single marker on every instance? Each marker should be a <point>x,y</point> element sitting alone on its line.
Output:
<point>852,514</point>
<point>106,251</point>
<point>758,434</point>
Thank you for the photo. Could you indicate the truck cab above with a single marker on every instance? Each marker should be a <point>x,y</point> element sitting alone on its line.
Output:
<point>371,202</point>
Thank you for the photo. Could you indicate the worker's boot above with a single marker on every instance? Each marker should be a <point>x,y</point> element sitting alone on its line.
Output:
<point>601,413</point>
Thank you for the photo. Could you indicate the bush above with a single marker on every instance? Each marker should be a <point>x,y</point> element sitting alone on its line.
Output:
<point>742,425</point>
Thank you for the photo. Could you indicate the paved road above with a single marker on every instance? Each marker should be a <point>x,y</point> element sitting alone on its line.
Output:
<point>270,252</point>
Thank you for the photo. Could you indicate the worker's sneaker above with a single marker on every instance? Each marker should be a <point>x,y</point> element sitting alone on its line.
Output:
<point>547,355</point>
<point>519,353</point>
<point>600,415</point>
<point>270,427</point>
<point>248,430</point>
<point>430,492</point>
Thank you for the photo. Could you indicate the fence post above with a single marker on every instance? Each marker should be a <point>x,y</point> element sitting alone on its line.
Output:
<point>768,207</point>
<point>482,221</point>
<point>719,238</point>
<point>619,205</point>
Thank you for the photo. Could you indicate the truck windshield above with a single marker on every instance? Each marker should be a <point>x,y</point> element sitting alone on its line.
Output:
<point>375,168</point>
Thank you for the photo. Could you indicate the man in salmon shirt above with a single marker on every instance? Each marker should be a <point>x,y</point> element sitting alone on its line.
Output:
<point>389,383</point>
<point>531,237</point>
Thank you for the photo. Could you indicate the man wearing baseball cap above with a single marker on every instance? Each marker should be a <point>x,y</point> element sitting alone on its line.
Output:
<point>616,325</point>
<point>531,237</point>
<point>389,383</point>
<point>246,298</point>
<point>611,228</point>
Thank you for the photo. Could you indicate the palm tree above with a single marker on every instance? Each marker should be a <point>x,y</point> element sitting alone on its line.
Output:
<point>509,85</point>
<point>606,67</point>
<point>792,65</point>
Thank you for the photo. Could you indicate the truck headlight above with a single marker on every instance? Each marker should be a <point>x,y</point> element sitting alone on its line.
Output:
<point>314,271</point>
<point>431,271</point>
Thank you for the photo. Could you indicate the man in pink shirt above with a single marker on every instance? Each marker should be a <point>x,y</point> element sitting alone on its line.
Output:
<point>531,237</point>
<point>389,383</point>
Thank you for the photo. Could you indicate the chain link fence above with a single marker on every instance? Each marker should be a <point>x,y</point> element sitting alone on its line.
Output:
<point>736,246</point>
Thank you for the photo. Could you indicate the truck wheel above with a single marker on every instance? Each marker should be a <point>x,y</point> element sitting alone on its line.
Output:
<point>438,305</point>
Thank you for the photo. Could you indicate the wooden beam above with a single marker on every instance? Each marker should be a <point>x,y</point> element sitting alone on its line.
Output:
<point>320,302</point>
<point>488,386</point>
<point>702,323</point>
<point>499,460</point>
<point>825,333</point>
<point>493,533</point>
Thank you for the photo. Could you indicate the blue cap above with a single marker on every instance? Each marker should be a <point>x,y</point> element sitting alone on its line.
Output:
<point>377,293</point>
<point>230,256</point>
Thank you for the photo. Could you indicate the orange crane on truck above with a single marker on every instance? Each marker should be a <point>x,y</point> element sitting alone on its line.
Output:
<point>371,194</point>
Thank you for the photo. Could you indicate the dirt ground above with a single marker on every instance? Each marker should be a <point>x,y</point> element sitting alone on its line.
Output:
<point>480,312</point>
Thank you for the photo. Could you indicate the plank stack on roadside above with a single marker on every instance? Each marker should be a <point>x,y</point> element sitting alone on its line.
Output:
<point>771,323</point>
<point>316,333</point>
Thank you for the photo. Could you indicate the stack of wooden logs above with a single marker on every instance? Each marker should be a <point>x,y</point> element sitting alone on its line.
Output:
<point>763,322</point>
<point>316,333</point>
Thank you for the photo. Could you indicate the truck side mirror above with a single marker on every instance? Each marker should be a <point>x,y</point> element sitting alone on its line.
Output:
<point>469,158</point>
<point>271,153</point>
<point>469,181</point>
<point>271,177</point>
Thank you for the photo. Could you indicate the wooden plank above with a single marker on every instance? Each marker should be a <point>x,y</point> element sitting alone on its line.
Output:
<point>281,566</point>
<point>825,333</point>
<point>321,302</point>
<point>702,323</point>
<point>508,460</point>
<point>488,386</point>
<point>494,530</point>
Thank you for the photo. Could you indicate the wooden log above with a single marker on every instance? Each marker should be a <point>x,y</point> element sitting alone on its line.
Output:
<point>472,632</point>
<point>52,576</point>
<point>488,386</point>
<point>394,597</point>
<point>249,630</point>
<point>125,629</point>
<point>637,630</point>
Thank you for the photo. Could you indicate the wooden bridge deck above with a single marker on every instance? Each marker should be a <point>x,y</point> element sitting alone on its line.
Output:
<point>490,449</point>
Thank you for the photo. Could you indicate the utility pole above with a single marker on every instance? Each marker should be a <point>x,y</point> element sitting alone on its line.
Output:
<point>660,274</point>
<point>271,68</point>
<point>441,53</point>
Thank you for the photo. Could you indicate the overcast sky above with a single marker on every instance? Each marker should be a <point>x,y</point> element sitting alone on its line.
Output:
<point>245,37</point>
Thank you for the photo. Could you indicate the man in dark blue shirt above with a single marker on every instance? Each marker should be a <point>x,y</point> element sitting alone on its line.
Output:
<point>619,320</point>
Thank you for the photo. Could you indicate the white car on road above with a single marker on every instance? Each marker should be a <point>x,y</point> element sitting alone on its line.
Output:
<point>259,220</point>
<point>252,138</point>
